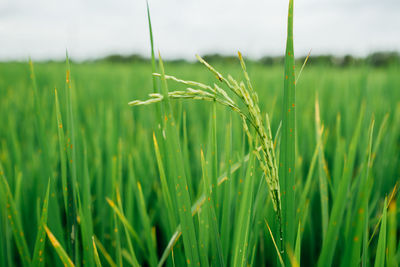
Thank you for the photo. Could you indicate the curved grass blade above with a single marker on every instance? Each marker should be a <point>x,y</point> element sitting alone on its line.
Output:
<point>391,196</point>
<point>103,251</point>
<point>96,254</point>
<point>204,236</point>
<point>339,200</point>
<point>125,222</point>
<point>226,225</point>
<point>59,249</point>
<point>71,155</point>
<point>339,155</point>
<point>275,245</point>
<point>153,58</point>
<point>41,235</point>
<point>302,67</point>
<point>292,258</point>
<point>117,238</point>
<point>297,248</point>
<point>14,220</point>
<point>150,242</point>
<point>212,217</point>
<point>362,208</point>
<point>381,249</point>
<point>304,197</point>
<point>214,158</point>
<point>164,185</point>
<point>244,218</point>
<point>132,257</point>
<point>392,234</point>
<point>84,211</point>
<point>183,200</point>
<point>62,147</point>
<point>322,171</point>
<point>195,208</point>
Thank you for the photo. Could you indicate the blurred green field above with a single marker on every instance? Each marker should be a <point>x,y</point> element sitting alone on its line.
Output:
<point>114,149</point>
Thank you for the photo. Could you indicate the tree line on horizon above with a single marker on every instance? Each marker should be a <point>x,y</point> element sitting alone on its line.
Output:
<point>376,59</point>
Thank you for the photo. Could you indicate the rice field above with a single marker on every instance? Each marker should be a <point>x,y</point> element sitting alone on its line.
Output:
<point>238,164</point>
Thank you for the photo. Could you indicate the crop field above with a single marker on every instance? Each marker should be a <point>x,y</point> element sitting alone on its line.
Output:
<point>219,173</point>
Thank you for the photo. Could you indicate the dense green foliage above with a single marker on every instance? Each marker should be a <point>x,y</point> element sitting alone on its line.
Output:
<point>127,186</point>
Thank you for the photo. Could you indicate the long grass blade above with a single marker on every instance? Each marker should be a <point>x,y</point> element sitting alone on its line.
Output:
<point>212,217</point>
<point>287,147</point>
<point>164,186</point>
<point>322,171</point>
<point>104,252</point>
<point>150,242</point>
<point>196,207</point>
<point>181,190</point>
<point>71,155</point>
<point>125,222</point>
<point>62,148</point>
<point>96,254</point>
<point>278,252</point>
<point>392,240</point>
<point>59,249</point>
<point>361,217</point>
<point>340,198</point>
<point>297,249</point>
<point>244,218</point>
<point>381,249</point>
<point>38,254</point>
<point>14,220</point>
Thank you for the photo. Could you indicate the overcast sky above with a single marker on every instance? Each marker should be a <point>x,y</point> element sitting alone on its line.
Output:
<point>44,29</point>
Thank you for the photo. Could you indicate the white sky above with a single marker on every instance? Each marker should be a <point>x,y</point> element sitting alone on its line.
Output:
<point>44,29</point>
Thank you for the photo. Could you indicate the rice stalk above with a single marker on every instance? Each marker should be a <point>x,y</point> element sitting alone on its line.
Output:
<point>250,115</point>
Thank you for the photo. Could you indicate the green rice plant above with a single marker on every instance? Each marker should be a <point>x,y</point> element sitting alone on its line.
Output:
<point>338,208</point>
<point>183,200</point>
<point>266,154</point>
<point>251,115</point>
<point>359,221</point>
<point>195,208</point>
